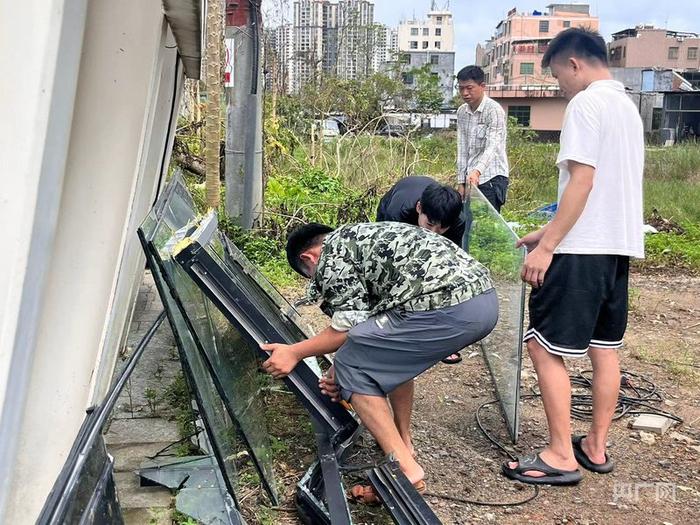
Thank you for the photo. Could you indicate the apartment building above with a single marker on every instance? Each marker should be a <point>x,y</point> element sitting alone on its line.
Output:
<point>647,46</point>
<point>336,38</point>
<point>356,39</point>
<point>312,19</point>
<point>280,50</point>
<point>434,33</point>
<point>386,46</point>
<point>512,58</point>
<point>429,41</point>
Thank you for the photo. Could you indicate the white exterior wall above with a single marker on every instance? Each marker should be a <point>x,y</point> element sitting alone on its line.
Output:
<point>435,20</point>
<point>86,153</point>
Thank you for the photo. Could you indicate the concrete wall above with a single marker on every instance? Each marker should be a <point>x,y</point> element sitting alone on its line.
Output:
<point>546,114</point>
<point>650,48</point>
<point>88,146</point>
<point>445,69</point>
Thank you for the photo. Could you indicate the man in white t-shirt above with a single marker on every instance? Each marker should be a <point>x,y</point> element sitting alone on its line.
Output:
<point>578,264</point>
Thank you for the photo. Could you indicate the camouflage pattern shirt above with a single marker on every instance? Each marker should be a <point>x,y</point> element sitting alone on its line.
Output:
<point>368,268</point>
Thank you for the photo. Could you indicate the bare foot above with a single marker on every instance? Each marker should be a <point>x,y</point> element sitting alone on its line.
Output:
<point>594,456</point>
<point>406,438</point>
<point>414,472</point>
<point>551,459</point>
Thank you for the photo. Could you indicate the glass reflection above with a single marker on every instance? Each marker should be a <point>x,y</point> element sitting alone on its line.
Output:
<point>492,242</point>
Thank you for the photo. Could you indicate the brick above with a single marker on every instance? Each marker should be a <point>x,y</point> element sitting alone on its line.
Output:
<point>652,423</point>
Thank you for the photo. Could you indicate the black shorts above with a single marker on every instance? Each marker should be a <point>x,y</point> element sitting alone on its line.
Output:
<point>582,303</point>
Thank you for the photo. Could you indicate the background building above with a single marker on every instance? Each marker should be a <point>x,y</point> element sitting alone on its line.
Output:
<point>333,38</point>
<point>646,46</point>
<point>340,38</point>
<point>512,63</point>
<point>429,41</point>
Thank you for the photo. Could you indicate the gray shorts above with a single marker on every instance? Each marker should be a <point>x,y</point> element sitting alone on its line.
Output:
<point>391,348</point>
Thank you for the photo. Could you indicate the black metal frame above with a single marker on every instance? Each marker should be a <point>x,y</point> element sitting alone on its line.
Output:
<point>244,314</point>
<point>400,497</point>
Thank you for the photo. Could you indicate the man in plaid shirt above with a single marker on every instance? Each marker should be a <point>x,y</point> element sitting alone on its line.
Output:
<point>481,139</point>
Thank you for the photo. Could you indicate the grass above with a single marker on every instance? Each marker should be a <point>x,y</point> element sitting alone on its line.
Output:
<point>345,180</point>
<point>676,357</point>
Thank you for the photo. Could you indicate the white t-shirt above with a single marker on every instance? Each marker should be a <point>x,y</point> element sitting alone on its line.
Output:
<point>602,129</point>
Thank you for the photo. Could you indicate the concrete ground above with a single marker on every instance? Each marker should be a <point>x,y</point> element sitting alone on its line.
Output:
<point>141,423</point>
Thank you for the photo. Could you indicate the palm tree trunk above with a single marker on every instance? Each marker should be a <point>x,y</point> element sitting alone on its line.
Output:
<point>212,110</point>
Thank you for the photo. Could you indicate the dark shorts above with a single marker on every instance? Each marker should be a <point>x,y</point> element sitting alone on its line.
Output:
<point>495,190</point>
<point>391,348</point>
<point>582,303</point>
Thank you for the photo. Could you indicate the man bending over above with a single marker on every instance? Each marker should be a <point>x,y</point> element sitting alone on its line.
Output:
<point>424,202</point>
<point>400,299</point>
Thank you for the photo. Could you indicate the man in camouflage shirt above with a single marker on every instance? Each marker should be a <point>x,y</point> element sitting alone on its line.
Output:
<point>400,299</point>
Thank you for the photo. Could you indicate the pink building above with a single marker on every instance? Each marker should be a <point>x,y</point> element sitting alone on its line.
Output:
<point>512,58</point>
<point>646,46</point>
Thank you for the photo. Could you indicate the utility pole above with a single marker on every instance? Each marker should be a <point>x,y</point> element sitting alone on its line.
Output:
<point>244,114</point>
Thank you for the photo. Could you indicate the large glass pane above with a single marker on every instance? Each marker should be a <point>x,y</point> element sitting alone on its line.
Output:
<point>222,431</point>
<point>223,367</point>
<point>492,242</point>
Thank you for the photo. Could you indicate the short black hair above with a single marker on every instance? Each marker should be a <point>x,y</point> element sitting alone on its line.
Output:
<point>441,204</point>
<point>474,73</point>
<point>301,239</point>
<point>577,42</point>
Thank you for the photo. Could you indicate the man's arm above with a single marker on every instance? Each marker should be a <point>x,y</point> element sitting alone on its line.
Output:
<point>496,131</point>
<point>456,232</point>
<point>285,357</point>
<point>571,205</point>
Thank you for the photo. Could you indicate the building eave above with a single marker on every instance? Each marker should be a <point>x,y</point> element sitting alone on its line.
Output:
<point>185,20</point>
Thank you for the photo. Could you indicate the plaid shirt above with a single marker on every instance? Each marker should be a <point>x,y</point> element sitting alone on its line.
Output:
<point>481,141</point>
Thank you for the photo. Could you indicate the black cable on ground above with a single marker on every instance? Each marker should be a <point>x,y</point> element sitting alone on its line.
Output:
<point>636,395</point>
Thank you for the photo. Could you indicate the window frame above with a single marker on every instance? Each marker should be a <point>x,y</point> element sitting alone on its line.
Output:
<point>522,113</point>
<point>531,67</point>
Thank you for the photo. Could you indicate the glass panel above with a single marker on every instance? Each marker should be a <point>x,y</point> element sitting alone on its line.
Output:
<point>231,359</point>
<point>94,494</point>
<point>223,433</point>
<point>285,320</point>
<point>492,242</point>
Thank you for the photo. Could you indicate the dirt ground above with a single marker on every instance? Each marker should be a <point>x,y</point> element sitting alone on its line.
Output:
<point>655,483</point>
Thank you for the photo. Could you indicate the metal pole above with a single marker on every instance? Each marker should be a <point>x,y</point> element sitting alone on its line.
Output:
<point>243,171</point>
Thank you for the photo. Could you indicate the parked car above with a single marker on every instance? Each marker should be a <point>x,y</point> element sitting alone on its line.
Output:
<point>329,128</point>
<point>393,130</point>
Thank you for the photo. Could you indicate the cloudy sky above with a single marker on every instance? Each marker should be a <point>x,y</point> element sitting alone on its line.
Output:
<point>475,21</point>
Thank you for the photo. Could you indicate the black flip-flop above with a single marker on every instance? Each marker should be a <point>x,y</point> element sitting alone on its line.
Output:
<point>552,476</point>
<point>449,361</point>
<point>585,461</point>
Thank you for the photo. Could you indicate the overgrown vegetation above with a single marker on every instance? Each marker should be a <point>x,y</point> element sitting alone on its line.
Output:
<point>340,181</point>
<point>177,396</point>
